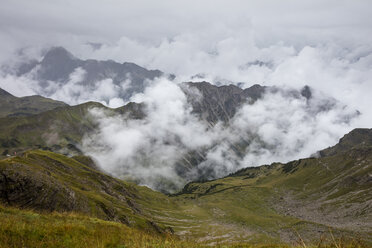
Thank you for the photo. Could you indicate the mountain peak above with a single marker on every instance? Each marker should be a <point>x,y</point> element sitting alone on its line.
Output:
<point>58,53</point>
<point>306,92</point>
<point>4,93</point>
<point>357,138</point>
<point>58,64</point>
<point>255,91</point>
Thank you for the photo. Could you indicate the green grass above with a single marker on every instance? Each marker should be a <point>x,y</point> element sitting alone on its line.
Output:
<point>55,129</point>
<point>239,209</point>
<point>20,228</point>
<point>53,182</point>
<point>23,228</point>
<point>23,106</point>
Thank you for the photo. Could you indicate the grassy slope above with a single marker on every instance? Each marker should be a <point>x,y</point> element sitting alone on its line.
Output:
<point>253,206</point>
<point>274,202</point>
<point>21,106</point>
<point>48,181</point>
<point>56,129</point>
<point>20,228</point>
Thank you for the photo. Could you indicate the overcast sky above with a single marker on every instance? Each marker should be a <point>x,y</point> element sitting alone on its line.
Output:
<point>288,22</point>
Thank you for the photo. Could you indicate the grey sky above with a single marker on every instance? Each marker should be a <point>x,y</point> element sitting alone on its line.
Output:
<point>290,21</point>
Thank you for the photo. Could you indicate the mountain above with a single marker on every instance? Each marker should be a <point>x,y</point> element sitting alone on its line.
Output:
<point>309,200</point>
<point>29,105</point>
<point>57,65</point>
<point>60,129</point>
<point>220,103</point>
<point>357,138</point>
<point>50,182</point>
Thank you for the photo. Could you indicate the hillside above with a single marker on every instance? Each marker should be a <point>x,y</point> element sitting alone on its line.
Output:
<point>215,108</point>
<point>20,228</point>
<point>50,182</point>
<point>60,129</point>
<point>275,203</point>
<point>23,106</point>
<point>309,195</point>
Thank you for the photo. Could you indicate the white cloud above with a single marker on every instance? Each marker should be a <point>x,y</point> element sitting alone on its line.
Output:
<point>146,150</point>
<point>281,126</point>
<point>18,86</point>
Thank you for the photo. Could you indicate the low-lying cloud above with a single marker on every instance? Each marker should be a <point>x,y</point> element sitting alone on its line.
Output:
<point>147,150</point>
<point>153,151</point>
<point>72,92</point>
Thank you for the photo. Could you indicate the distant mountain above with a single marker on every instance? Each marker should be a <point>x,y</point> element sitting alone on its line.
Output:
<point>220,103</point>
<point>29,105</point>
<point>60,129</point>
<point>44,116</point>
<point>58,64</point>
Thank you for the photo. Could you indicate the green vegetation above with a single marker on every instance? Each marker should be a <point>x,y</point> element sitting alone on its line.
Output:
<point>23,106</point>
<point>272,204</point>
<point>74,204</point>
<point>49,181</point>
<point>22,228</point>
<point>59,130</point>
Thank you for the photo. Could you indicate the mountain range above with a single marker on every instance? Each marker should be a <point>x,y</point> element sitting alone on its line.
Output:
<point>56,66</point>
<point>47,179</point>
<point>55,126</point>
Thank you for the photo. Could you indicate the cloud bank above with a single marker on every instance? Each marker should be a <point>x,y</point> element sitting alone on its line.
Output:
<point>154,151</point>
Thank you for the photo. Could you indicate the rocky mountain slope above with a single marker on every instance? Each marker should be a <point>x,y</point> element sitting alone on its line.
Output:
<point>220,103</point>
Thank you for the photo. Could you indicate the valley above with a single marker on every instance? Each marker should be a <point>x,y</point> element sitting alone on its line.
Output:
<point>177,164</point>
<point>279,203</point>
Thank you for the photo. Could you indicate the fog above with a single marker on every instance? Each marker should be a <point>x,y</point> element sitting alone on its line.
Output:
<point>281,126</point>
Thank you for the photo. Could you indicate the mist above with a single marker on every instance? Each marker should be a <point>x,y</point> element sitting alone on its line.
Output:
<point>153,151</point>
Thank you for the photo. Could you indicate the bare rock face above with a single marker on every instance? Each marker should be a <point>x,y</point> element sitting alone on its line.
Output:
<point>220,103</point>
